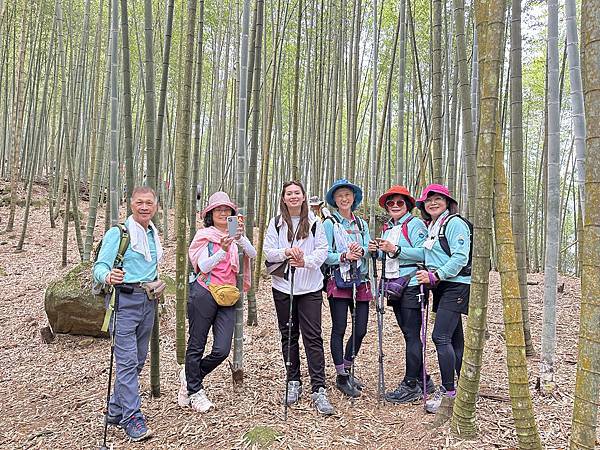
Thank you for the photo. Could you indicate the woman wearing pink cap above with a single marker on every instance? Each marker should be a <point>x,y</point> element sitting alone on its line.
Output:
<point>214,255</point>
<point>448,274</point>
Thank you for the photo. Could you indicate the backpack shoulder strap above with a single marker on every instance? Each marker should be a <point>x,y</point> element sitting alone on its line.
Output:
<point>442,233</point>
<point>123,244</point>
<point>359,223</point>
<point>277,226</point>
<point>204,277</point>
<point>334,220</point>
<point>405,229</point>
<point>313,229</point>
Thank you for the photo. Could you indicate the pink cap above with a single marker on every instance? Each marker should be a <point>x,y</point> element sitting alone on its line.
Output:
<point>437,188</point>
<point>219,199</point>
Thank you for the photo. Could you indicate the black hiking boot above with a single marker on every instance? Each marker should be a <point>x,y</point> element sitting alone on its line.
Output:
<point>343,384</point>
<point>405,393</point>
<point>356,382</point>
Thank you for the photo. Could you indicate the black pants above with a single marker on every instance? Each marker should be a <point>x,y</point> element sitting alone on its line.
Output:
<point>409,321</point>
<point>450,300</point>
<point>449,342</point>
<point>204,313</point>
<point>339,308</point>
<point>306,318</point>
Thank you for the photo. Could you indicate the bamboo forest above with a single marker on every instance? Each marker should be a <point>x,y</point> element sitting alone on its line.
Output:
<point>188,187</point>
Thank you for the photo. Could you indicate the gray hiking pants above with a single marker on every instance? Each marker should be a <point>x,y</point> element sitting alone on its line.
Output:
<point>135,319</point>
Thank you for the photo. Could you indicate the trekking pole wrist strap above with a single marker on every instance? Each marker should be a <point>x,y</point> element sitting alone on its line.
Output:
<point>109,311</point>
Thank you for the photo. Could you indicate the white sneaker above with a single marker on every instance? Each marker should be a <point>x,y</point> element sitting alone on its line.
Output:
<point>183,399</point>
<point>200,402</point>
<point>294,391</point>
<point>433,403</point>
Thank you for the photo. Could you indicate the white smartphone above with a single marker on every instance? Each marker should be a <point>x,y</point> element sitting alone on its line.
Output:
<point>232,226</point>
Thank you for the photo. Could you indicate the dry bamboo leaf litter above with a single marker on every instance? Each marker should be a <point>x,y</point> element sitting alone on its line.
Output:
<point>53,394</point>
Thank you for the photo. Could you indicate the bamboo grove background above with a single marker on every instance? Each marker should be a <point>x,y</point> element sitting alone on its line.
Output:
<point>313,65</point>
<point>193,97</point>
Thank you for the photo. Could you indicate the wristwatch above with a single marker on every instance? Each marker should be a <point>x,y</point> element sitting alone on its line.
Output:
<point>396,253</point>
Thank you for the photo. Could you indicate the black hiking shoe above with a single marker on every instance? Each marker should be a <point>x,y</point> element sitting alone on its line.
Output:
<point>343,384</point>
<point>356,382</point>
<point>405,393</point>
<point>430,385</point>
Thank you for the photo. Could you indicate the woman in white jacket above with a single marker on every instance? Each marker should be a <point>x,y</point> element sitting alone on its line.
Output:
<point>295,248</point>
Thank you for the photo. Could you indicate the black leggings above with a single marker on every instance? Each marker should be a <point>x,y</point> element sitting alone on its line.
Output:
<point>409,320</point>
<point>339,308</point>
<point>449,342</point>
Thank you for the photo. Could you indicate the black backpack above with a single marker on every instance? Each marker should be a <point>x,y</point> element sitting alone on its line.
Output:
<point>466,270</point>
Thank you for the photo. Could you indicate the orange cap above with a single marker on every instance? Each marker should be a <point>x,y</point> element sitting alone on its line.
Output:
<point>395,190</point>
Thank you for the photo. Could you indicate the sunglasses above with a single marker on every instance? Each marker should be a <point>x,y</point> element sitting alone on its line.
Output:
<point>391,203</point>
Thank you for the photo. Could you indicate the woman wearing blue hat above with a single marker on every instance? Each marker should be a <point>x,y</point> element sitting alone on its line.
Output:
<point>347,287</point>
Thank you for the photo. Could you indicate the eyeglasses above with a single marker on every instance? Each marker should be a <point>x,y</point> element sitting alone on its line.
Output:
<point>391,203</point>
<point>435,199</point>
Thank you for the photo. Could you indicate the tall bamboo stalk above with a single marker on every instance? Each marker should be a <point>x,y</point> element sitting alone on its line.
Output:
<point>182,181</point>
<point>490,29</point>
<point>238,335</point>
<point>553,203</point>
<point>587,382</point>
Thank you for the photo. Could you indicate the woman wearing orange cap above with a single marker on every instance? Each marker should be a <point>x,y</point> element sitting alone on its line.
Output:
<point>400,248</point>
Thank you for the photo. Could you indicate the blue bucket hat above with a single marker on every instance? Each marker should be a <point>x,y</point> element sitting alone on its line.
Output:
<point>343,183</point>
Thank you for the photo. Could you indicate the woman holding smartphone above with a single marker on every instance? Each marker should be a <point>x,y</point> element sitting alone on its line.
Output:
<point>214,256</point>
<point>295,244</point>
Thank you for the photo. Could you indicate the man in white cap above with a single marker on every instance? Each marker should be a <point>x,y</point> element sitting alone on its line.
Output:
<point>316,204</point>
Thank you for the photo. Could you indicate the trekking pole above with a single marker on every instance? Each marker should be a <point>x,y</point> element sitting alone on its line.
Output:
<point>375,292</point>
<point>288,363</point>
<point>353,272</point>
<point>117,290</point>
<point>424,320</point>
<point>380,322</point>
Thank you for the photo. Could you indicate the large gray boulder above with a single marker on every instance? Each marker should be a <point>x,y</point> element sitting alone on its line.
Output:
<point>70,306</point>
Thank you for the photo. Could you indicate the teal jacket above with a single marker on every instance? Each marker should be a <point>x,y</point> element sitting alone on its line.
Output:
<point>447,267</point>
<point>410,253</point>
<point>136,268</point>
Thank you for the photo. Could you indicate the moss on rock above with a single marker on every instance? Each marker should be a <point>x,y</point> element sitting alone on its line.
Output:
<point>261,436</point>
<point>70,305</point>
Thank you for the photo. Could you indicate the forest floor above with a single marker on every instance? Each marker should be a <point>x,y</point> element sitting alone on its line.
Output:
<point>53,395</point>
